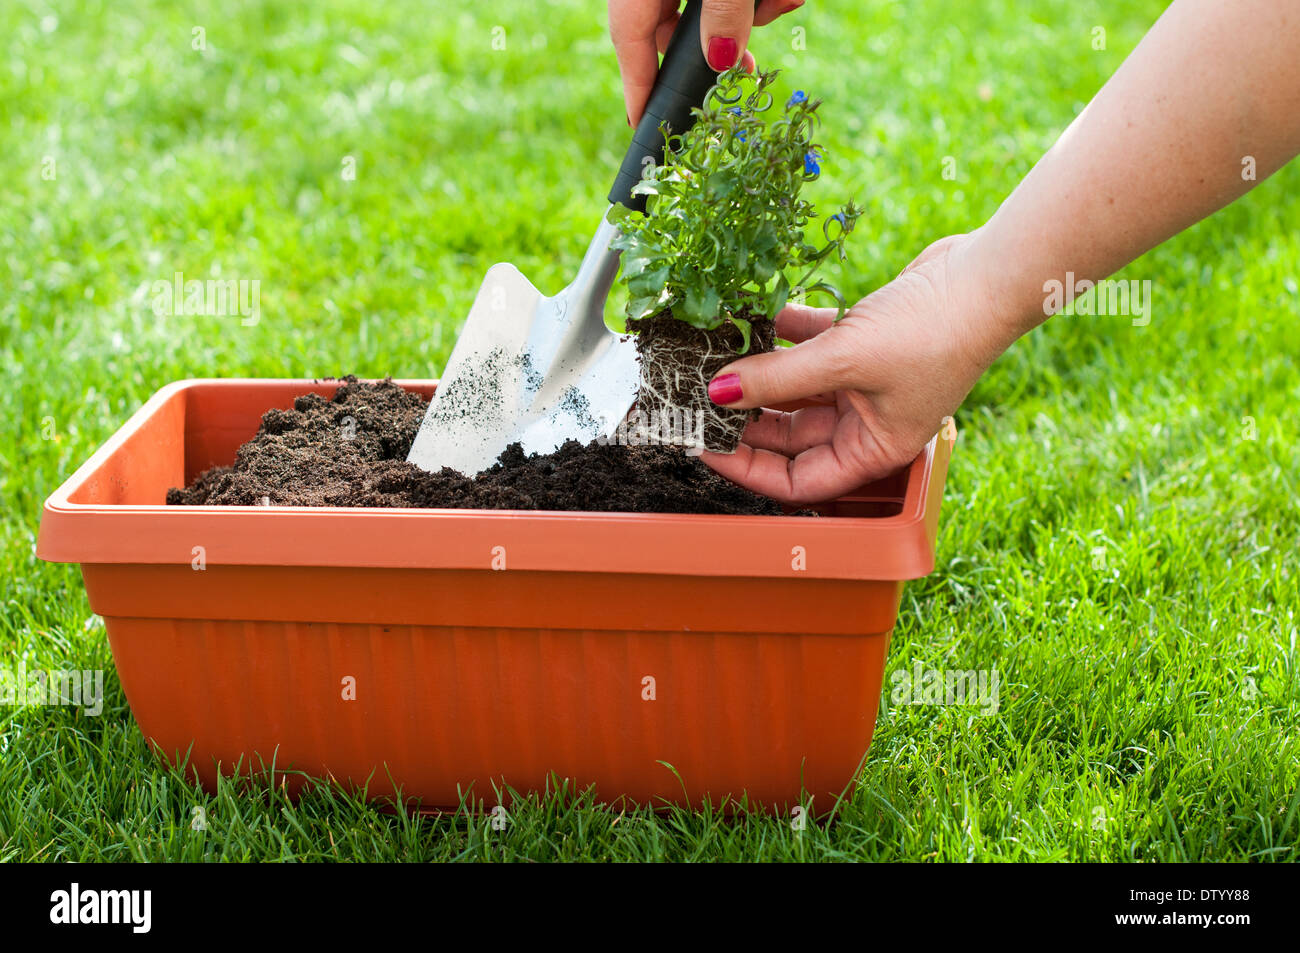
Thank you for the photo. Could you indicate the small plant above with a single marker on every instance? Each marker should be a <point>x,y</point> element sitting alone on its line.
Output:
<point>708,265</point>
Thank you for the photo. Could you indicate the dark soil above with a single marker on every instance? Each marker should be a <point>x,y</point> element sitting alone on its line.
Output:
<point>677,363</point>
<point>351,451</point>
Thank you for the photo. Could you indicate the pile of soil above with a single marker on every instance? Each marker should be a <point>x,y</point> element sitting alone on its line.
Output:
<point>351,451</point>
<point>678,361</point>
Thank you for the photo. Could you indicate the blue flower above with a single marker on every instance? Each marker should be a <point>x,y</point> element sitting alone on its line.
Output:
<point>736,111</point>
<point>810,164</point>
<point>798,97</point>
<point>839,217</point>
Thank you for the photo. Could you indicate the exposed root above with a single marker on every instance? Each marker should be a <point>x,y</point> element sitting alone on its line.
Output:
<point>677,363</point>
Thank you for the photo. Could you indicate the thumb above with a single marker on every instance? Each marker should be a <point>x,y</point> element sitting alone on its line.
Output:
<point>724,31</point>
<point>814,367</point>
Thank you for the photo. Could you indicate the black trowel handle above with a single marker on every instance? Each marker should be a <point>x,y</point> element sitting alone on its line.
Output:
<point>685,78</point>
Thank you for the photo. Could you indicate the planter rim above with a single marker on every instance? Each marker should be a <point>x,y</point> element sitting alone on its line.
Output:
<point>896,547</point>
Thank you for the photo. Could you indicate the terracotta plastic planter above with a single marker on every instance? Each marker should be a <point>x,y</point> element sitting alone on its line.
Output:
<point>487,647</point>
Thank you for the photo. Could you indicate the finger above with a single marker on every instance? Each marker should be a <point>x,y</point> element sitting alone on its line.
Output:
<point>798,322</point>
<point>724,31</point>
<point>664,32</point>
<point>769,10</point>
<point>632,27</point>
<point>822,363</point>
<point>816,475</point>
<point>791,434</point>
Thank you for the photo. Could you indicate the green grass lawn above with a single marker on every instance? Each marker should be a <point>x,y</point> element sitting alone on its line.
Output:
<point>1119,527</point>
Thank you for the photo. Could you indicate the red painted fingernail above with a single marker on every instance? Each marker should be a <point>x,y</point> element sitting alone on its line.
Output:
<point>723,52</point>
<point>725,389</point>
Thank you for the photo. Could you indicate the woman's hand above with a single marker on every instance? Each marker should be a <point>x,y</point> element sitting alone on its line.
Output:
<point>890,371</point>
<point>1213,85</point>
<point>641,30</point>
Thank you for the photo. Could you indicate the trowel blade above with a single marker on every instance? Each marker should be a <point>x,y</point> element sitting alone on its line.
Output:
<point>529,369</point>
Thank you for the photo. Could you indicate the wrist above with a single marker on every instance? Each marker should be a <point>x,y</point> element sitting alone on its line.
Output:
<point>1005,304</point>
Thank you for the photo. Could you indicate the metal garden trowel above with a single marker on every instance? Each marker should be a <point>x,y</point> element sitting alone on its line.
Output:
<point>537,370</point>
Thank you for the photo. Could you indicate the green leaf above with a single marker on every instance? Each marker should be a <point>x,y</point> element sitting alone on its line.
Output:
<point>720,185</point>
<point>645,307</point>
<point>746,332</point>
<point>649,282</point>
<point>639,257</point>
<point>621,215</point>
<point>701,305</point>
<point>779,296</point>
<point>766,254</point>
<point>825,288</point>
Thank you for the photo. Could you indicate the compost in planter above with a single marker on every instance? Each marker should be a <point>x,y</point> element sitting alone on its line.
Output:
<point>350,450</point>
